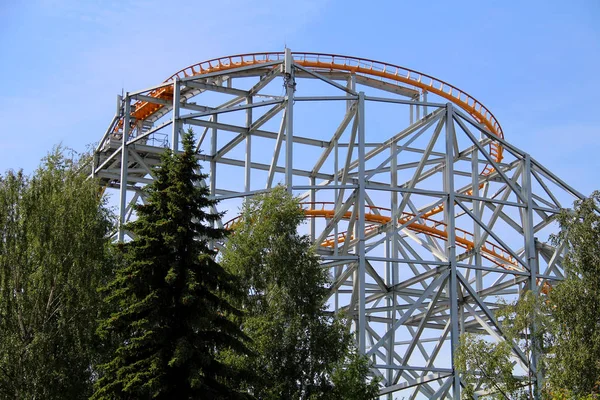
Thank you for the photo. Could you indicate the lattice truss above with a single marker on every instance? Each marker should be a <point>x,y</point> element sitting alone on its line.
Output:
<point>426,217</point>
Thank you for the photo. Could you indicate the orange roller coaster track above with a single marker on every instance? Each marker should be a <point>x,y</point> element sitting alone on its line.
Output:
<point>388,73</point>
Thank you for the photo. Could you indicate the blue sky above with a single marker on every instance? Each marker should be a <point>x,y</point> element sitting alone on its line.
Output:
<point>533,63</point>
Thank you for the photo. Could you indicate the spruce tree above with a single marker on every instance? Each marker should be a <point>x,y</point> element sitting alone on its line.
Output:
<point>171,319</point>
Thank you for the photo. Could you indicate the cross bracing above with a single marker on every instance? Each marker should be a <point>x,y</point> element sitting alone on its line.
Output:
<point>426,217</point>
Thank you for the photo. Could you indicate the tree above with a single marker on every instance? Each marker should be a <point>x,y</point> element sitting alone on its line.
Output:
<point>302,351</point>
<point>574,364</point>
<point>487,366</point>
<point>172,320</point>
<point>54,253</point>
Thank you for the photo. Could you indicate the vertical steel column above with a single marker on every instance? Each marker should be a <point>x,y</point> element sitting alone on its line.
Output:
<point>248,159</point>
<point>124,167</point>
<point>313,198</point>
<point>350,84</point>
<point>213,171</point>
<point>336,193</point>
<point>289,128</point>
<point>532,263</point>
<point>392,247</point>
<point>176,123</point>
<point>394,253</point>
<point>477,208</point>
<point>95,163</point>
<point>213,163</point>
<point>338,269</point>
<point>394,212</point>
<point>362,319</point>
<point>451,245</point>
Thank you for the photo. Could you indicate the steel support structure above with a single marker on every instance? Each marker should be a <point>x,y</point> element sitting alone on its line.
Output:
<point>425,215</point>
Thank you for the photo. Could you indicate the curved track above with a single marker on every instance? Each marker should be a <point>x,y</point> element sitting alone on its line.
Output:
<point>333,62</point>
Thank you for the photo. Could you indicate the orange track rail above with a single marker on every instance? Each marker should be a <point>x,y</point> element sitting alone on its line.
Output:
<point>429,227</point>
<point>386,72</point>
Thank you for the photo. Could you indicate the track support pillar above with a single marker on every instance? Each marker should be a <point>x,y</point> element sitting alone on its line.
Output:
<point>290,87</point>
<point>449,216</point>
<point>362,318</point>
<point>124,169</point>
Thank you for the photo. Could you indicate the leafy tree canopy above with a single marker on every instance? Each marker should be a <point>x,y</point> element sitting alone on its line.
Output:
<point>54,253</point>
<point>302,351</point>
<point>575,302</point>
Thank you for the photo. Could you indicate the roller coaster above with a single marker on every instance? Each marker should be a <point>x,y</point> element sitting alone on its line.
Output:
<point>427,218</point>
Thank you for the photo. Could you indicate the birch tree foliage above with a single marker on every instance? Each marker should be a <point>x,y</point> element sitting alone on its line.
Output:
<point>54,253</point>
<point>301,350</point>
<point>575,303</point>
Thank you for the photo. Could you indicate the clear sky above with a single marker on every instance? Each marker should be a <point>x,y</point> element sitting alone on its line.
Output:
<point>535,64</point>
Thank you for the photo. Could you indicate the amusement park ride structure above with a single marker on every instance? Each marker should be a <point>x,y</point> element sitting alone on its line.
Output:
<point>425,215</point>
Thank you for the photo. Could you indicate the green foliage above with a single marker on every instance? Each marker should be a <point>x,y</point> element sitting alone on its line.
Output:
<point>564,394</point>
<point>349,379</point>
<point>575,303</point>
<point>171,317</point>
<point>487,366</point>
<point>301,349</point>
<point>54,253</point>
